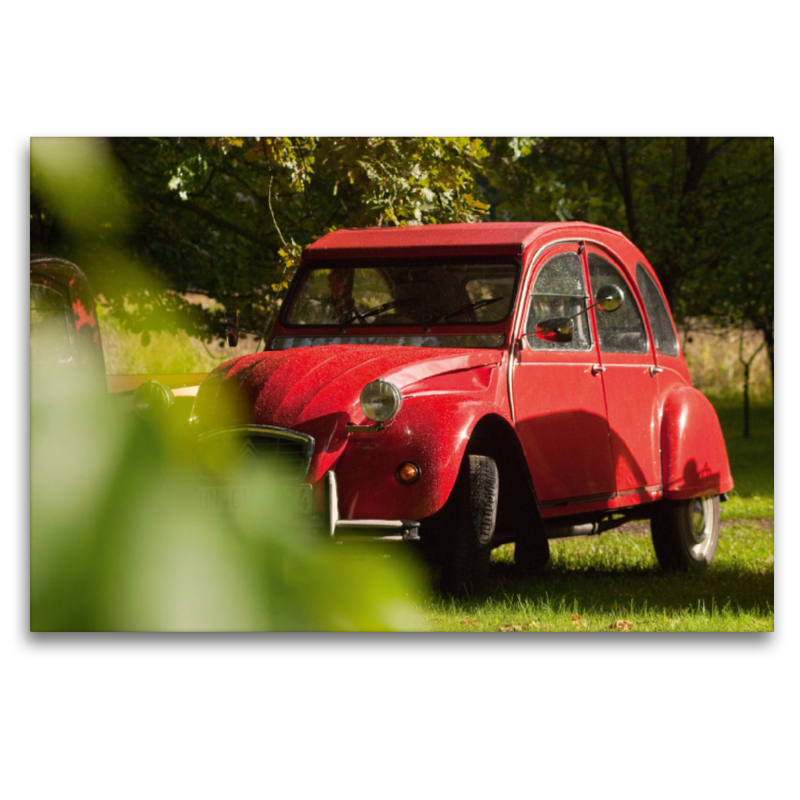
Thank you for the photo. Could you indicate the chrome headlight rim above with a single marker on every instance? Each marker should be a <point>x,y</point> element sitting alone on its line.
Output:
<point>380,390</point>
<point>152,399</point>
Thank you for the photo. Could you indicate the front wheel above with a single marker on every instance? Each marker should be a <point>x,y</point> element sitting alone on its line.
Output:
<point>466,565</point>
<point>686,533</point>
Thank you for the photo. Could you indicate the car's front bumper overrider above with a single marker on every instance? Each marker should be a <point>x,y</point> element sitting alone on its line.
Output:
<point>382,530</point>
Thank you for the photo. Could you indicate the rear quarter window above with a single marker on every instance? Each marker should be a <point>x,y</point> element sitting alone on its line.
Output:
<point>663,332</point>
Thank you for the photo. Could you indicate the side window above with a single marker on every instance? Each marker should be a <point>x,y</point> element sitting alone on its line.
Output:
<point>621,331</point>
<point>559,291</point>
<point>654,303</point>
<point>50,336</point>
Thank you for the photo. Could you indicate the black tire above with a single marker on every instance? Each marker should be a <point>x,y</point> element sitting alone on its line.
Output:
<point>532,552</point>
<point>466,565</point>
<point>686,533</point>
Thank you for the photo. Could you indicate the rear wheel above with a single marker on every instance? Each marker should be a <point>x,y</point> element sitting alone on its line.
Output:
<point>686,533</point>
<point>466,565</point>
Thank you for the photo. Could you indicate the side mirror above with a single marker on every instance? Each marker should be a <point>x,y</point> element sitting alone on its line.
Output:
<point>232,326</point>
<point>559,330</point>
<point>609,297</point>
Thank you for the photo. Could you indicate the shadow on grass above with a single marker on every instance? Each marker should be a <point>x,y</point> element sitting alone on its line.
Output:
<point>609,590</point>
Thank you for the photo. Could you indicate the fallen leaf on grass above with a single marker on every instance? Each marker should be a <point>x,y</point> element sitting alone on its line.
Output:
<point>576,620</point>
<point>621,625</point>
<point>509,628</point>
<point>468,621</point>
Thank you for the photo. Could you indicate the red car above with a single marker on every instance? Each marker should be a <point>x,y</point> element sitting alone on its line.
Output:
<point>64,327</point>
<point>470,385</point>
<point>65,335</point>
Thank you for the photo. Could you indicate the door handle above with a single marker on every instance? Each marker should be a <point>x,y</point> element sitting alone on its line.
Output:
<point>597,369</point>
<point>654,370</point>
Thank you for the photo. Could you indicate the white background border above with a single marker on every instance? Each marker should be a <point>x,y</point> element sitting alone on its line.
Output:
<point>406,715</point>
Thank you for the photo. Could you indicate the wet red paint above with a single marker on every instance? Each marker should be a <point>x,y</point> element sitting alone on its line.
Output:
<point>630,433</point>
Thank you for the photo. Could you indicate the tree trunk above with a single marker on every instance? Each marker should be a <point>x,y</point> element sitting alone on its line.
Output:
<point>767,327</point>
<point>747,401</point>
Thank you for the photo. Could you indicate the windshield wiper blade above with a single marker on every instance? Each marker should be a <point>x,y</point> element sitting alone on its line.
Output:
<point>469,307</point>
<point>377,311</point>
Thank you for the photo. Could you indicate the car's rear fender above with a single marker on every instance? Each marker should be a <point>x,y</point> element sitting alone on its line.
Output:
<point>694,460</point>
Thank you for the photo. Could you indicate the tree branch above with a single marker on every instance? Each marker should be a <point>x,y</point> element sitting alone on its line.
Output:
<point>185,205</point>
<point>205,185</point>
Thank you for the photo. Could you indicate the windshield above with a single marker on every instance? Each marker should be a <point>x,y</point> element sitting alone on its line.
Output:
<point>407,294</point>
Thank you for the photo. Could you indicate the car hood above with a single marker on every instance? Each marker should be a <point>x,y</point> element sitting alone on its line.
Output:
<point>315,390</point>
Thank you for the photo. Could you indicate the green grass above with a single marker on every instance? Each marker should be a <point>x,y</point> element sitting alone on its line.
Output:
<point>613,583</point>
<point>166,353</point>
<point>595,583</point>
<point>751,459</point>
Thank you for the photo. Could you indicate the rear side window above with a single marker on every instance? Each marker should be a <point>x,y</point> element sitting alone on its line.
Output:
<point>620,331</point>
<point>559,291</point>
<point>654,303</point>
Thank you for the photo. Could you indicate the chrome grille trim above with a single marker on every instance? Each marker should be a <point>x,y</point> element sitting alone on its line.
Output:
<point>267,433</point>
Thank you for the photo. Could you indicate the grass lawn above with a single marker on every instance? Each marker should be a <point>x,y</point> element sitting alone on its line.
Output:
<point>612,582</point>
<point>752,460</point>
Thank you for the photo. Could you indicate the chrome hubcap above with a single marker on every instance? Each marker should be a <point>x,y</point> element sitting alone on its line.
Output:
<point>699,533</point>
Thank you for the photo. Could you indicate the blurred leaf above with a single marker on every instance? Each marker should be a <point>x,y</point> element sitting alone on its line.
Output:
<point>228,217</point>
<point>119,540</point>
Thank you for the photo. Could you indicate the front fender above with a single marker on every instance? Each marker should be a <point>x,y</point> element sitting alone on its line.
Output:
<point>432,431</point>
<point>694,460</point>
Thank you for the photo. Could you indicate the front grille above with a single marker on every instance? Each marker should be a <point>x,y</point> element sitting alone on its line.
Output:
<point>288,452</point>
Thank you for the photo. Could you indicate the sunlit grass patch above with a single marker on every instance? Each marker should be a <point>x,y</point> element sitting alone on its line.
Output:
<point>612,583</point>
<point>166,353</point>
<point>752,459</point>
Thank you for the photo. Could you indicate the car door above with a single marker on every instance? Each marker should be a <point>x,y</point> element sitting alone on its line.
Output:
<point>627,358</point>
<point>559,406</point>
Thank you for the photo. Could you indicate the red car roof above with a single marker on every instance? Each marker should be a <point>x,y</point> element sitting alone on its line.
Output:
<point>462,238</point>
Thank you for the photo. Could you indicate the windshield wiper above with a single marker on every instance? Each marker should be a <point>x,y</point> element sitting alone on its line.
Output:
<point>469,307</point>
<point>377,311</point>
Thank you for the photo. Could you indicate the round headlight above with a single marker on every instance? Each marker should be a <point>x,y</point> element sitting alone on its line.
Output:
<point>152,399</point>
<point>380,400</point>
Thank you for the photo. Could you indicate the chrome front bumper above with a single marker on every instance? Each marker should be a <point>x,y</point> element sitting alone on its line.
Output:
<point>363,529</point>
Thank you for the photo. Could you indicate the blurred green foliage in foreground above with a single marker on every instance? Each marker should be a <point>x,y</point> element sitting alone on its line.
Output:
<point>119,542</point>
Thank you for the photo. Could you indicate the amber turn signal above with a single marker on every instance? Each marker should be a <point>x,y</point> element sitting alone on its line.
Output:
<point>408,473</point>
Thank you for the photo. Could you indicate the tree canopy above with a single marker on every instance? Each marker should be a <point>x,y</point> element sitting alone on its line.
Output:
<point>227,217</point>
<point>699,208</point>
